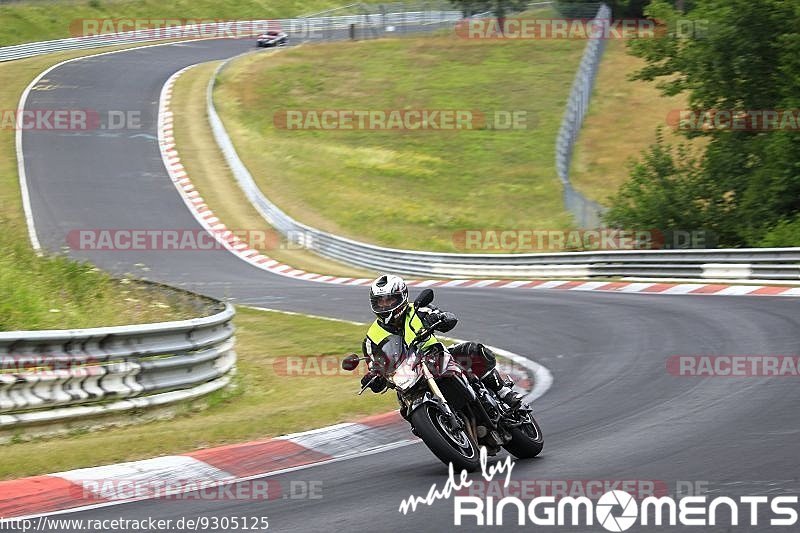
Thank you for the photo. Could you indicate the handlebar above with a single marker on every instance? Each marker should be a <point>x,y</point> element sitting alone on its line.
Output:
<point>427,331</point>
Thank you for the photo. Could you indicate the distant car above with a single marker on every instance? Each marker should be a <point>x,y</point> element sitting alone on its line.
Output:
<point>272,38</point>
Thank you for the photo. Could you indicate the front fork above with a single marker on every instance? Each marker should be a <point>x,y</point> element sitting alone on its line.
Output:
<point>454,420</point>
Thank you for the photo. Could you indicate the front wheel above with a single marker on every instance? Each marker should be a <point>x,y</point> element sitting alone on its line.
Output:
<point>449,445</point>
<point>526,440</point>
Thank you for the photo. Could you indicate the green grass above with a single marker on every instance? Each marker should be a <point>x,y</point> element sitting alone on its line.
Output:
<point>212,177</point>
<point>57,293</point>
<point>16,75</point>
<point>262,403</point>
<point>621,122</point>
<point>53,292</point>
<point>406,189</point>
<point>41,20</point>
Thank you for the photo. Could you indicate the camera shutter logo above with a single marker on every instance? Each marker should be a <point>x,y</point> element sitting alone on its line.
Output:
<point>607,502</point>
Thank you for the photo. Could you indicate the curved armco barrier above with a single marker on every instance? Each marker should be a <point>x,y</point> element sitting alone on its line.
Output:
<point>56,376</point>
<point>236,29</point>
<point>617,414</point>
<point>213,468</point>
<point>731,264</point>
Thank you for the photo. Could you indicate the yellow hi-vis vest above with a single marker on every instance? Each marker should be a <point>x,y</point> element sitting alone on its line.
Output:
<point>376,333</point>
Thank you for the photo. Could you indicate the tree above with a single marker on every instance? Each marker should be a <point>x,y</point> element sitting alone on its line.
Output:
<point>667,191</point>
<point>740,56</point>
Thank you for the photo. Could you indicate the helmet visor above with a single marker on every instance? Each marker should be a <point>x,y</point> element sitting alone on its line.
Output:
<point>383,303</point>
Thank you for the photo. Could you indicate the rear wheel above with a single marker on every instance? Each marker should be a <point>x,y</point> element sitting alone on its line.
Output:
<point>448,444</point>
<point>526,440</point>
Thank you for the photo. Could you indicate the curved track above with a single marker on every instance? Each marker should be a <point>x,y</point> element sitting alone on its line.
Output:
<point>613,413</point>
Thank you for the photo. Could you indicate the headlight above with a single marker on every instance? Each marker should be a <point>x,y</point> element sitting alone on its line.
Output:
<point>405,376</point>
<point>405,381</point>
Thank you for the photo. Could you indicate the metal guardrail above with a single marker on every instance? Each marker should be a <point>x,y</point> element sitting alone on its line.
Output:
<point>587,213</point>
<point>306,27</point>
<point>759,263</point>
<point>60,375</point>
<point>770,264</point>
<point>385,19</point>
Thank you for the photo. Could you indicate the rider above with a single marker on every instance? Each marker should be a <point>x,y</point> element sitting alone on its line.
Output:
<point>388,297</point>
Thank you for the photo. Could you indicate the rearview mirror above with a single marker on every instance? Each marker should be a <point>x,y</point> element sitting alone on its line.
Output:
<point>350,362</point>
<point>424,298</point>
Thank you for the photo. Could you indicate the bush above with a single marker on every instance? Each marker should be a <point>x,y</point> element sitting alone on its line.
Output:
<point>784,233</point>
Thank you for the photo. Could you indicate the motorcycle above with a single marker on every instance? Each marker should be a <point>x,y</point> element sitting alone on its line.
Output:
<point>448,407</point>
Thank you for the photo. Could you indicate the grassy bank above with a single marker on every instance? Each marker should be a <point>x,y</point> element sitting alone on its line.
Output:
<point>45,293</point>
<point>37,21</point>
<point>212,177</point>
<point>16,75</point>
<point>57,293</point>
<point>412,188</point>
<point>621,122</point>
<point>264,401</point>
<point>54,292</point>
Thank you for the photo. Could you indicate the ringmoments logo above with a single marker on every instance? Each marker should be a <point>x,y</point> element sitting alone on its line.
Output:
<point>607,503</point>
<point>618,510</point>
<point>614,510</point>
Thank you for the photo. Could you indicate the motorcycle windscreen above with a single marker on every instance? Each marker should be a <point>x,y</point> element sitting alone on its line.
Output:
<point>393,350</point>
<point>402,367</point>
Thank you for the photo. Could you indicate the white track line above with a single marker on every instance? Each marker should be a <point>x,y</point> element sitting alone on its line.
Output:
<point>212,224</point>
<point>550,284</point>
<point>379,449</point>
<point>23,178</point>
<point>542,381</point>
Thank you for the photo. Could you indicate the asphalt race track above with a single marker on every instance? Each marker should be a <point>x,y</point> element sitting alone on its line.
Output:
<point>613,413</point>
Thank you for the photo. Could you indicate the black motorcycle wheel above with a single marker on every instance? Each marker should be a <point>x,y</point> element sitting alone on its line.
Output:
<point>449,446</point>
<point>526,440</point>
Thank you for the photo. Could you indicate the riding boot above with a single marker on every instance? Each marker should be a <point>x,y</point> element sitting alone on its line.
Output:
<point>501,388</point>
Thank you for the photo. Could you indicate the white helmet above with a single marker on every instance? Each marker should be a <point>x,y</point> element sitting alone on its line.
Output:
<point>388,297</point>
